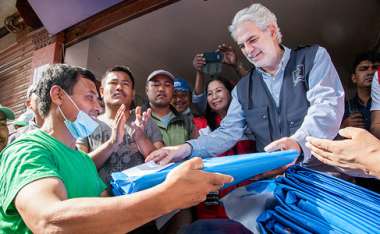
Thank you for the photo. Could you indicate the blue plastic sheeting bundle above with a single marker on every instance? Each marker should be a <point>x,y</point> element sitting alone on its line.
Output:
<point>241,167</point>
<point>245,204</point>
<point>313,202</point>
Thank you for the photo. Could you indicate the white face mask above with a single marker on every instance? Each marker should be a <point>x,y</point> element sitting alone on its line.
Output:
<point>82,126</point>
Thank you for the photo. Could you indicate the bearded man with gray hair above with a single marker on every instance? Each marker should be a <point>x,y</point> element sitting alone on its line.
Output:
<point>289,95</point>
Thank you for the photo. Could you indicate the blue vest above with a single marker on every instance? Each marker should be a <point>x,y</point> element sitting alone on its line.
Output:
<point>267,121</point>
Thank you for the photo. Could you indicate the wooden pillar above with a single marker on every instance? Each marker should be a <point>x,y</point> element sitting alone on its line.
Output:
<point>47,49</point>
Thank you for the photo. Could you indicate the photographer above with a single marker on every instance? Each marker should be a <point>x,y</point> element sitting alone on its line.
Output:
<point>223,55</point>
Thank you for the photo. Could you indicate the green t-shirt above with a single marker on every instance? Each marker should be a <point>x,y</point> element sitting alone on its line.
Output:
<point>38,155</point>
<point>175,128</point>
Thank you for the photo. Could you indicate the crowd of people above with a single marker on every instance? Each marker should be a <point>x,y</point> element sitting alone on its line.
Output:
<point>56,166</point>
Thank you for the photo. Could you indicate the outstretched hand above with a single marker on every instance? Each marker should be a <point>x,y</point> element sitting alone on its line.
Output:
<point>187,185</point>
<point>169,154</point>
<point>285,143</point>
<point>142,118</point>
<point>355,152</point>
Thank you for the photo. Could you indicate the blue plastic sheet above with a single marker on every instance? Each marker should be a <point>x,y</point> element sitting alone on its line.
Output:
<point>313,202</point>
<point>245,204</point>
<point>241,167</point>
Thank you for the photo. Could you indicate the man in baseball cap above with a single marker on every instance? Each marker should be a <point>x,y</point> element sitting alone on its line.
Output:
<point>5,114</point>
<point>175,129</point>
<point>182,97</point>
<point>160,72</point>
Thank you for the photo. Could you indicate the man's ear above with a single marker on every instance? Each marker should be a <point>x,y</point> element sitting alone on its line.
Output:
<point>273,30</point>
<point>101,91</point>
<point>353,78</point>
<point>56,95</point>
<point>27,103</point>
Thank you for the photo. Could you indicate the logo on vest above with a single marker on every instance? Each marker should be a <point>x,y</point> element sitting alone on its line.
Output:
<point>298,74</point>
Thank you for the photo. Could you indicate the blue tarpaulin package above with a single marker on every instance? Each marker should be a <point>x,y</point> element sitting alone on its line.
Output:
<point>312,202</point>
<point>245,204</point>
<point>241,167</point>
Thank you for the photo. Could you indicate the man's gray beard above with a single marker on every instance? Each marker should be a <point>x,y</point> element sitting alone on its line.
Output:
<point>253,63</point>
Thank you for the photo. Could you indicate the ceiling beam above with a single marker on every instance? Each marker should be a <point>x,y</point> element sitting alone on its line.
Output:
<point>112,17</point>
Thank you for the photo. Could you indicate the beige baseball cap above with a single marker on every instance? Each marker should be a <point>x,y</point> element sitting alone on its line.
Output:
<point>160,72</point>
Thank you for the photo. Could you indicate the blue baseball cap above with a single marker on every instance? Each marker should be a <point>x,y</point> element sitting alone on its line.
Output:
<point>181,85</point>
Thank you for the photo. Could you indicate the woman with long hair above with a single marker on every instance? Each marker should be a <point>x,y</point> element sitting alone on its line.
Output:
<point>218,100</point>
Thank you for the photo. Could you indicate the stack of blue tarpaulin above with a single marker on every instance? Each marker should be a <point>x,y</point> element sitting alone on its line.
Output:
<point>313,202</point>
<point>241,167</point>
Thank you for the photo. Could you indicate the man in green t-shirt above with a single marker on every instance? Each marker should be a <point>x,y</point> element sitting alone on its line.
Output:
<point>47,185</point>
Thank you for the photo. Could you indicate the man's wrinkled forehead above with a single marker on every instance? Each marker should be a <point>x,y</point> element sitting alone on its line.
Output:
<point>246,30</point>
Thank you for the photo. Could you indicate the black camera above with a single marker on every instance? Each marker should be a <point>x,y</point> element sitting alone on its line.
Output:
<point>213,57</point>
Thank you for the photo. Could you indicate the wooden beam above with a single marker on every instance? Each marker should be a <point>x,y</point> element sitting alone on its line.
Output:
<point>112,17</point>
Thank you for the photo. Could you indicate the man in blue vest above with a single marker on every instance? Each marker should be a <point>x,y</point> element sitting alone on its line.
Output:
<point>291,94</point>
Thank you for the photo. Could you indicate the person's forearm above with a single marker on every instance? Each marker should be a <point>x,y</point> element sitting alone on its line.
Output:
<point>322,121</point>
<point>102,153</point>
<point>145,146</point>
<point>326,98</point>
<point>106,215</point>
<point>199,83</point>
<point>375,106</point>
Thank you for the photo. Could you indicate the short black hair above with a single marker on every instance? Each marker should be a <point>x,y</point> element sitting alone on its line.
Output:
<point>63,75</point>
<point>120,68</point>
<point>367,55</point>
